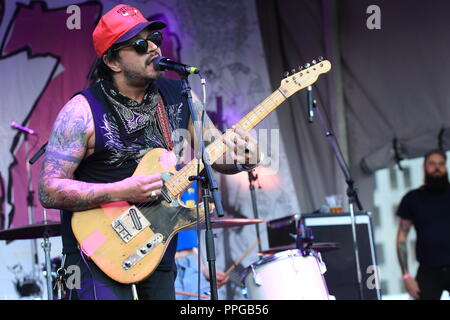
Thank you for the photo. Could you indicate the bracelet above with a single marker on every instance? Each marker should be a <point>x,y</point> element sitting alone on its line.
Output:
<point>406,276</point>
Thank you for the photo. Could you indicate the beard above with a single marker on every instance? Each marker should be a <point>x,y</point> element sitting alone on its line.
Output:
<point>138,79</point>
<point>437,184</point>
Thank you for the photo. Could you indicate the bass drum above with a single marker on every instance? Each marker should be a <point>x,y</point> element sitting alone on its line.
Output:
<point>287,275</point>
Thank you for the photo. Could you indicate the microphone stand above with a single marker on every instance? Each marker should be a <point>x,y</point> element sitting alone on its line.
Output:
<point>209,187</point>
<point>30,205</point>
<point>252,177</point>
<point>46,244</point>
<point>352,193</point>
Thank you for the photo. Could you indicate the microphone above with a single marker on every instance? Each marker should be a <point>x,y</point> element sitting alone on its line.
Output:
<point>309,102</point>
<point>163,63</point>
<point>23,129</point>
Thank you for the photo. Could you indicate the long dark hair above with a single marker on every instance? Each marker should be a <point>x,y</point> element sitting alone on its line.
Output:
<point>102,71</point>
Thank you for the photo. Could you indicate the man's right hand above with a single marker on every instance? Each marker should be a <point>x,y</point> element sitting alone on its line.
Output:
<point>139,188</point>
<point>412,287</point>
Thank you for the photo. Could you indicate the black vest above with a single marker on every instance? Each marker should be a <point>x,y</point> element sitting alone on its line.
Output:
<point>115,158</point>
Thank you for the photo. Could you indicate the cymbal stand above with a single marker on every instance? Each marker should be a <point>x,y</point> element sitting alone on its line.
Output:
<point>304,238</point>
<point>252,177</point>
<point>46,246</point>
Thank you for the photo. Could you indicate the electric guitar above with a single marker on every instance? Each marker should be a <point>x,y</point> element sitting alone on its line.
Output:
<point>127,242</point>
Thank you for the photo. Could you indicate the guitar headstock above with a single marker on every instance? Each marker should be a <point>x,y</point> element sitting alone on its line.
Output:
<point>303,76</point>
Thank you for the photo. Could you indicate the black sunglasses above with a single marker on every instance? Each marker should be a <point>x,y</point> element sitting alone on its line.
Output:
<point>141,45</point>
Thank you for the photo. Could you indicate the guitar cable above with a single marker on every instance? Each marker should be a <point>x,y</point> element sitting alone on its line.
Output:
<point>91,273</point>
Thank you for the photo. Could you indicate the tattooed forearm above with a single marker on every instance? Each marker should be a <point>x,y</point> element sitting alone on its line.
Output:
<point>402,250</point>
<point>58,189</point>
<point>73,195</point>
<point>402,253</point>
<point>404,227</point>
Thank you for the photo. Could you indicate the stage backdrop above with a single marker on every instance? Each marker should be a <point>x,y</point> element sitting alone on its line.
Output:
<point>46,55</point>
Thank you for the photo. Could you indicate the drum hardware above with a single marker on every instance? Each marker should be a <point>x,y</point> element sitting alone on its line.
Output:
<point>27,286</point>
<point>46,246</point>
<point>43,230</point>
<point>316,246</point>
<point>252,178</point>
<point>256,278</point>
<point>304,237</point>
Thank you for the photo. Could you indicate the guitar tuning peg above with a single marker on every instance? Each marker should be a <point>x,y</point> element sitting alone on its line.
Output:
<point>286,74</point>
<point>320,59</point>
<point>300,68</point>
<point>307,65</point>
<point>313,62</point>
<point>293,71</point>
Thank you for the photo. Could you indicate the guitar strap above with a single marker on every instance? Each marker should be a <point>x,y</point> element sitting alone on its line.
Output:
<point>164,122</point>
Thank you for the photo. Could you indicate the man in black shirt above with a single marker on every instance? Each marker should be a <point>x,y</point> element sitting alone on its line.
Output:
<point>428,209</point>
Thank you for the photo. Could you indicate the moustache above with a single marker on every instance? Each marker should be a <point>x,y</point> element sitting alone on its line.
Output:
<point>151,58</point>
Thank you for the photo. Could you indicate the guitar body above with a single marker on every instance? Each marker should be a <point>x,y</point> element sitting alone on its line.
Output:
<point>127,242</point>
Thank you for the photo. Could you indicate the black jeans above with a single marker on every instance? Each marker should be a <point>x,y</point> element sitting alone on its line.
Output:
<point>96,285</point>
<point>433,281</point>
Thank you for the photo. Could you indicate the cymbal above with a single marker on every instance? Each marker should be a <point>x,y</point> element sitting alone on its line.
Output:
<point>225,223</point>
<point>34,231</point>
<point>318,246</point>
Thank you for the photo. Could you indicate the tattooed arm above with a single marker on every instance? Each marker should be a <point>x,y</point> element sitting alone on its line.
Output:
<point>402,236</point>
<point>71,140</point>
<point>402,253</point>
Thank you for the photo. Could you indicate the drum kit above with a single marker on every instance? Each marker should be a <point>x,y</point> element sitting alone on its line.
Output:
<point>44,231</point>
<point>293,272</point>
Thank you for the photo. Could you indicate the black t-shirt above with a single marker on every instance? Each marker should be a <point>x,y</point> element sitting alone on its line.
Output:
<point>430,214</point>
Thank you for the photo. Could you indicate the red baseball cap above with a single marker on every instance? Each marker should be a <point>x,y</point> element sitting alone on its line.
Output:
<point>119,24</point>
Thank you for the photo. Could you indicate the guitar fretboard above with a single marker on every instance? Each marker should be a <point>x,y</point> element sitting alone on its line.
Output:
<point>180,181</point>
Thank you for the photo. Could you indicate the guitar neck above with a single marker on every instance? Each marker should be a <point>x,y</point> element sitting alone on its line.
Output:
<point>303,78</point>
<point>179,182</point>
